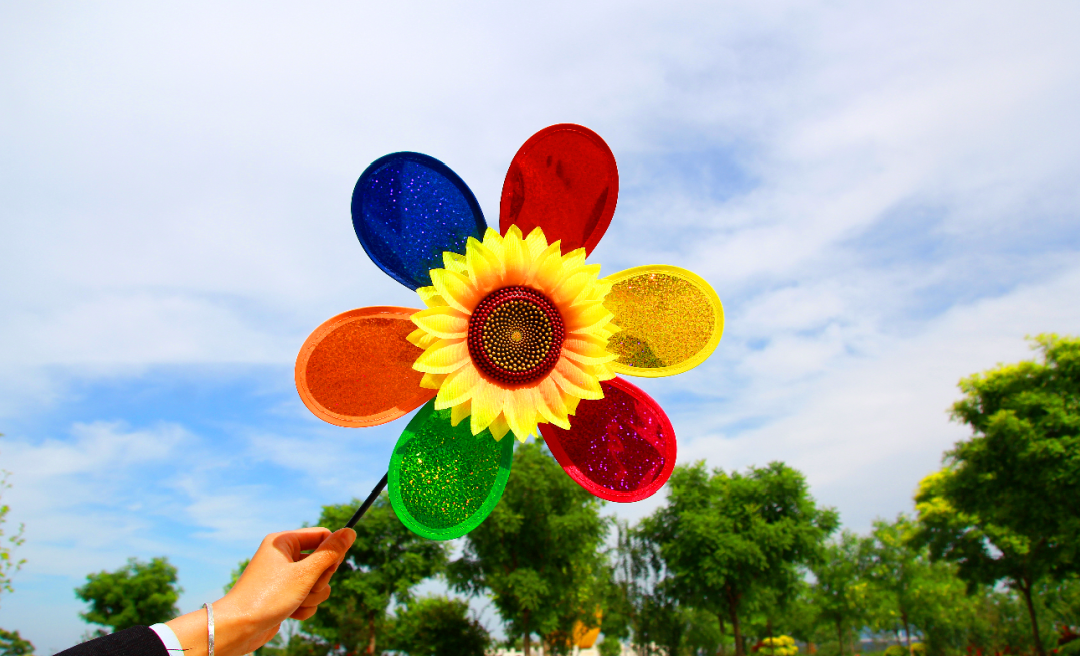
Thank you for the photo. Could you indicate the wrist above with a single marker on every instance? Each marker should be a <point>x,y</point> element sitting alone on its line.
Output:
<point>233,632</point>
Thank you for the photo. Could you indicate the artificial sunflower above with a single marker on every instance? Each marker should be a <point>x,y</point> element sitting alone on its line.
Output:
<point>519,334</point>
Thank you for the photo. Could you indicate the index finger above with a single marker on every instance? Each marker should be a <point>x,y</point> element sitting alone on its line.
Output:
<point>309,538</point>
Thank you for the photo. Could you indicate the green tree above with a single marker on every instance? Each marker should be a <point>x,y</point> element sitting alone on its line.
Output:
<point>12,644</point>
<point>913,593</point>
<point>1004,507</point>
<point>8,564</point>
<point>137,594</point>
<point>438,626</point>
<point>384,564</point>
<point>841,592</point>
<point>726,537</point>
<point>538,553</point>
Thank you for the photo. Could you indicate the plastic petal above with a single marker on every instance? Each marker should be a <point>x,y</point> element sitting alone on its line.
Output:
<point>443,480</point>
<point>407,209</point>
<point>620,448</point>
<point>356,368</point>
<point>669,318</point>
<point>564,180</point>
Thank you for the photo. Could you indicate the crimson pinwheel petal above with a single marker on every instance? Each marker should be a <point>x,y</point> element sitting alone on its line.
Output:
<point>408,208</point>
<point>356,368</point>
<point>563,180</point>
<point>620,448</point>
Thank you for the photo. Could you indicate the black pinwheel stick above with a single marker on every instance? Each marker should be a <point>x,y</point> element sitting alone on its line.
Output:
<point>367,502</point>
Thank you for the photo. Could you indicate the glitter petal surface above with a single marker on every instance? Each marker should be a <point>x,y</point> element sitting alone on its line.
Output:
<point>670,320</point>
<point>407,209</point>
<point>564,180</point>
<point>444,480</point>
<point>356,368</point>
<point>620,448</point>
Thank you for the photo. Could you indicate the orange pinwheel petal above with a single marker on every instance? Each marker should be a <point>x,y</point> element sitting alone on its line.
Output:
<point>356,368</point>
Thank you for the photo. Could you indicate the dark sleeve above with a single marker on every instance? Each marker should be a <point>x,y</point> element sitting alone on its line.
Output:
<point>136,641</point>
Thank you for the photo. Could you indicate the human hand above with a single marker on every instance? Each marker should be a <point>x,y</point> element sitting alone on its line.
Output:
<point>280,582</point>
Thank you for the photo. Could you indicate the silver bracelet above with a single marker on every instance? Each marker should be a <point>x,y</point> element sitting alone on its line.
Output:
<point>209,628</point>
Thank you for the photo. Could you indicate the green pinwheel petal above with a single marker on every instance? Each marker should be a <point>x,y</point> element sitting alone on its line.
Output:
<point>443,479</point>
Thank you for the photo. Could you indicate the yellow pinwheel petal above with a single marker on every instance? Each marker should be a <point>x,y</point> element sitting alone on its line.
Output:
<point>671,320</point>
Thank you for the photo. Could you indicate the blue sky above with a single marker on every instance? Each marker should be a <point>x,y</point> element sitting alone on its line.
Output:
<point>885,196</point>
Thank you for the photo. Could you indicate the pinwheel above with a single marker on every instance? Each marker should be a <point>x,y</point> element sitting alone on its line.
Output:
<point>518,334</point>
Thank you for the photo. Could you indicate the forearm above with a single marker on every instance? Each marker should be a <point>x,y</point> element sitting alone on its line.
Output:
<point>234,633</point>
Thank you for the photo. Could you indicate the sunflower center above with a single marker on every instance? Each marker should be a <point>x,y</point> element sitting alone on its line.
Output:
<point>516,335</point>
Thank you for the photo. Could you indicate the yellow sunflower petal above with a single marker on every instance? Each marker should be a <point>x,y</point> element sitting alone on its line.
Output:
<point>499,428</point>
<point>587,349</point>
<point>487,403</point>
<point>455,288</point>
<point>574,259</point>
<point>460,411</point>
<point>536,243</point>
<point>484,268</point>
<point>574,381</point>
<point>494,243</point>
<point>547,269</point>
<point>421,338</point>
<point>544,411</point>
<point>432,381</point>
<point>554,400</point>
<point>444,356</point>
<point>455,262</point>
<point>430,296</point>
<point>603,371</point>
<point>573,285</point>
<point>458,387</point>
<point>587,318</point>
<point>520,413</point>
<point>445,322</point>
<point>514,257</point>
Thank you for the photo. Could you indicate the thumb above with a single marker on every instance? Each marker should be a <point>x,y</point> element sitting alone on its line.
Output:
<point>330,552</point>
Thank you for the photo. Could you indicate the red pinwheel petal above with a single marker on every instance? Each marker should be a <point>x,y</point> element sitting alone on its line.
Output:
<point>620,448</point>
<point>356,368</point>
<point>563,180</point>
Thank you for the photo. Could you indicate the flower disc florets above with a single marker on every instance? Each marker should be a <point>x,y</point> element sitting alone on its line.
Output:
<point>515,333</point>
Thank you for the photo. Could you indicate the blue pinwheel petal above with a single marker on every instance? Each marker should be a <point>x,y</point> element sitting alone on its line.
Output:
<point>407,209</point>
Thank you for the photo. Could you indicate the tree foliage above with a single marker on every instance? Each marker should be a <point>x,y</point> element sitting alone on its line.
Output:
<point>12,644</point>
<point>8,543</point>
<point>841,591</point>
<point>137,594</point>
<point>438,626</point>
<point>727,537</point>
<point>1004,507</point>
<point>384,564</point>
<point>539,552</point>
